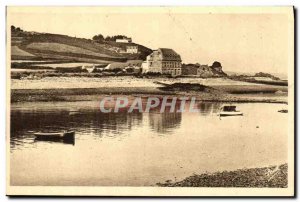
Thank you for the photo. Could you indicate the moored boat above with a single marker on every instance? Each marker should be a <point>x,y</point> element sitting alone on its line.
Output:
<point>283,111</point>
<point>64,135</point>
<point>230,111</point>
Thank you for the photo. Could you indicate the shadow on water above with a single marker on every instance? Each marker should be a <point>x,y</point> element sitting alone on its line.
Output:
<point>24,124</point>
<point>65,140</point>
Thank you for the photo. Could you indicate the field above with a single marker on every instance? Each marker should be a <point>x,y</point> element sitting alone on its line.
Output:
<point>16,71</point>
<point>63,48</point>
<point>31,61</point>
<point>16,51</point>
<point>43,46</point>
<point>65,65</point>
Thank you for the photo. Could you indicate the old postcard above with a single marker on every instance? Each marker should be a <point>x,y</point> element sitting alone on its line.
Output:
<point>150,101</point>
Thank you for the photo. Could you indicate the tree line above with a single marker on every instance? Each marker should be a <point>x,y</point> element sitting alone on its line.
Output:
<point>101,38</point>
<point>15,29</point>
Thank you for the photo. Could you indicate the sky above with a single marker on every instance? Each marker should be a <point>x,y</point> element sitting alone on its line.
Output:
<point>241,41</point>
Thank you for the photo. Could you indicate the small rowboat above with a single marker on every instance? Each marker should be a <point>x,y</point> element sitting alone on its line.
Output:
<point>283,111</point>
<point>230,111</point>
<point>64,135</point>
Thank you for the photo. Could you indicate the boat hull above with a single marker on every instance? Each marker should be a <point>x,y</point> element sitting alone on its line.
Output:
<point>60,136</point>
<point>231,114</point>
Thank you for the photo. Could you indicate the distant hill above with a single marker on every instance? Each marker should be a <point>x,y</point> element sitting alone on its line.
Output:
<point>279,75</point>
<point>234,73</point>
<point>39,46</point>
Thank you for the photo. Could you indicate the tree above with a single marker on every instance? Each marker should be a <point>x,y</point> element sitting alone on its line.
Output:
<point>216,64</point>
<point>116,70</point>
<point>108,38</point>
<point>12,28</point>
<point>130,70</point>
<point>98,38</point>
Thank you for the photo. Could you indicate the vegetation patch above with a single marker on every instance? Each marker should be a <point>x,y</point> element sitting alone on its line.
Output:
<point>15,50</point>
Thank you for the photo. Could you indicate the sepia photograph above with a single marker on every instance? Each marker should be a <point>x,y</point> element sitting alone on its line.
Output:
<point>150,101</point>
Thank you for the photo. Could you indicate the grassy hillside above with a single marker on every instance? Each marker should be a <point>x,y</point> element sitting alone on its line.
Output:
<point>39,46</point>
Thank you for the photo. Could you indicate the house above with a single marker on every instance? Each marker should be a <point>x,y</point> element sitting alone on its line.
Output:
<point>133,69</point>
<point>203,69</point>
<point>145,67</point>
<point>124,40</point>
<point>89,68</point>
<point>132,49</point>
<point>93,68</point>
<point>107,67</point>
<point>164,61</point>
<point>190,69</point>
<point>136,64</point>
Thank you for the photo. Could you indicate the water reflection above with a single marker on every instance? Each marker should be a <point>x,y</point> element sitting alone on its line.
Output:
<point>166,121</point>
<point>53,140</point>
<point>159,145</point>
<point>90,121</point>
<point>207,108</point>
<point>85,122</point>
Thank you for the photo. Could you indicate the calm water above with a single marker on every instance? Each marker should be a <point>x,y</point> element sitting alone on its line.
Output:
<point>138,149</point>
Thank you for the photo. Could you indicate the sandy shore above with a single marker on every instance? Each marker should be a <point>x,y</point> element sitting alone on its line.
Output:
<point>128,81</point>
<point>83,88</point>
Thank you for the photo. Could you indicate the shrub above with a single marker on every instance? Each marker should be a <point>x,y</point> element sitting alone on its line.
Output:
<point>152,74</point>
<point>130,70</point>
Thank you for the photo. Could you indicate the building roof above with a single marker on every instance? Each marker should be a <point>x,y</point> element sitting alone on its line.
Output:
<point>125,64</point>
<point>169,54</point>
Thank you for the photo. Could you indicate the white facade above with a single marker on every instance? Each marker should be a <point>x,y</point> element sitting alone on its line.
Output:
<point>132,49</point>
<point>164,61</point>
<point>89,68</point>
<point>124,40</point>
<point>107,67</point>
<point>145,67</point>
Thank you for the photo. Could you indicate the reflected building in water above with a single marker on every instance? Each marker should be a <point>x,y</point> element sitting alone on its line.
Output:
<point>93,122</point>
<point>168,121</point>
<point>164,122</point>
<point>87,122</point>
<point>209,108</point>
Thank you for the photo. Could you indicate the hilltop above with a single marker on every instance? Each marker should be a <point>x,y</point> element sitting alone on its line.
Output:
<point>39,46</point>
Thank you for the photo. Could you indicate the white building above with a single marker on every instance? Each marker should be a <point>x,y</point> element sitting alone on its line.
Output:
<point>132,49</point>
<point>145,66</point>
<point>89,68</point>
<point>124,40</point>
<point>164,61</point>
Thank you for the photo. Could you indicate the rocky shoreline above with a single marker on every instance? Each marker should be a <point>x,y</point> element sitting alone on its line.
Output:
<point>272,176</point>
